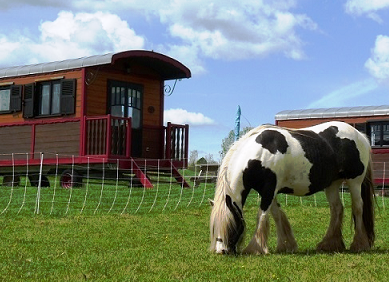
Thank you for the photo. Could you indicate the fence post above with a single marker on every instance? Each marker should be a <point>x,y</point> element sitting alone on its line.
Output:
<point>38,195</point>
<point>383,186</point>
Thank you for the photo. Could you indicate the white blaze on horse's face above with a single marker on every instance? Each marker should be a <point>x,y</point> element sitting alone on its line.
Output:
<point>220,247</point>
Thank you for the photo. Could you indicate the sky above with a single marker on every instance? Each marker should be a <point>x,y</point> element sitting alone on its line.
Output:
<point>264,55</point>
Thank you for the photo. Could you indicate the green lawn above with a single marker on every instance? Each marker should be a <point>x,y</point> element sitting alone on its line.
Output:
<point>168,241</point>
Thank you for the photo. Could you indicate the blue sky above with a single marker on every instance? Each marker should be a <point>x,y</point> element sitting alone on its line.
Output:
<point>266,56</point>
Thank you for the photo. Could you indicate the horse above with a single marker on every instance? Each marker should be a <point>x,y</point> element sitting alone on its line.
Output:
<point>273,160</point>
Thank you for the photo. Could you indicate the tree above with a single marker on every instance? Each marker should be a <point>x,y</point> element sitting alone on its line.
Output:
<point>227,143</point>
<point>230,139</point>
<point>193,157</point>
<point>209,158</point>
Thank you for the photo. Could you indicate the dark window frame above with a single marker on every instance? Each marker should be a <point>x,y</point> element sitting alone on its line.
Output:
<point>45,108</point>
<point>15,98</point>
<point>33,98</point>
<point>383,139</point>
<point>126,101</point>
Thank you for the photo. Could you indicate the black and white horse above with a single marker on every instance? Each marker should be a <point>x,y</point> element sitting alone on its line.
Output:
<point>273,160</point>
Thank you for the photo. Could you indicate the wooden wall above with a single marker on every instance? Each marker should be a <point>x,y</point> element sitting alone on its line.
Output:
<point>17,140</point>
<point>54,138</point>
<point>58,138</point>
<point>23,80</point>
<point>96,100</point>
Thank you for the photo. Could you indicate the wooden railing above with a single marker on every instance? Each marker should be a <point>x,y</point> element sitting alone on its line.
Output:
<point>107,135</point>
<point>111,136</point>
<point>176,142</point>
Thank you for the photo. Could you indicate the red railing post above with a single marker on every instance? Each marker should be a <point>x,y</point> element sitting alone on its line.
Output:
<point>108,137</point>
<point>186,156</point>
<point>83,135</point>
<point>168,141</point>
<point>128,133</point>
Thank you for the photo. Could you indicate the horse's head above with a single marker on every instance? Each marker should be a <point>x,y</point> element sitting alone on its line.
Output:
<point>227,226</point>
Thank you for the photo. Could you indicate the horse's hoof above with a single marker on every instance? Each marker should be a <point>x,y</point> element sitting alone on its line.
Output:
<point>290,249</point>
<point>331,246</point>
<point>256,251</point>
<point>358,247</point>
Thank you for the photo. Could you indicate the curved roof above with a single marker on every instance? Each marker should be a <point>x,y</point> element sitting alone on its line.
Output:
<point>333,112</point>
<point>167,67</point>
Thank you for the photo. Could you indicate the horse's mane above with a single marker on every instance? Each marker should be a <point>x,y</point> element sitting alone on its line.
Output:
<point>220,210</point>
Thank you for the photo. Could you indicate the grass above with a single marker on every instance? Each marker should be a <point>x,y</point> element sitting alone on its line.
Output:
<point>168,244</point>
<point>100,197</point>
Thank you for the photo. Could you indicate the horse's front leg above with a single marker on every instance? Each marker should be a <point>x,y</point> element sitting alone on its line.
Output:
<point>333,240</point>
<point>285,238</point>
<point>258,244</point>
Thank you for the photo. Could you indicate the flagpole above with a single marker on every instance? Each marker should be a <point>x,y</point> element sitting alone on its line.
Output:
<point>237,123</point>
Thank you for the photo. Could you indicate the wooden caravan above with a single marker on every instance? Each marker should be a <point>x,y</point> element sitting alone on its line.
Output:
<point>97,109</point>
<point>371,120</point>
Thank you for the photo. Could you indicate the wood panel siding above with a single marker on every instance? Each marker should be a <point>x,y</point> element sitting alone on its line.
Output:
<point>58,138</point>
<point>380,165</point>
<point>97,94</point>
<point>24,80</point>
<point>153,141</point>
<point>15,139</point>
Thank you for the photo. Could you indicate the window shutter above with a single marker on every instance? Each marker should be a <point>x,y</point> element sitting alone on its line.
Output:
<point>16,98</point>
<point>68,96</point>
<point>29,101</point>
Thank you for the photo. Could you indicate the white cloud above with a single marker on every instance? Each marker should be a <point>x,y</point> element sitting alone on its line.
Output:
<point>188,55</point>
<point>378,63</point>
<point>180,116</point>
<point>366,7</point>
<point>195,30</point>
<point>7,47</point>
<point>234,30</point>
<point>71,36</point>
<point>340,96</point>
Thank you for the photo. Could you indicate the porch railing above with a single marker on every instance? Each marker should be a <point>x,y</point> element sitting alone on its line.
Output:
<point>111,136</point>
<point>176,142</point>
<point>107,135</point>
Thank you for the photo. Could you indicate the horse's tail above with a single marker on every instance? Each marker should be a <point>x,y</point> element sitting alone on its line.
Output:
<point>367,193</point>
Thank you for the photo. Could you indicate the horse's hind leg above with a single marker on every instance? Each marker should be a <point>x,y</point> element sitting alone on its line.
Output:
<point>360,241</point>
<point>285,239</point>
<point>258,244</point>
<point>333,240</point>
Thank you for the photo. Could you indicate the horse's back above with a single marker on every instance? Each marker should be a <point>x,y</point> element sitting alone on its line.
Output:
<point>351,138</point>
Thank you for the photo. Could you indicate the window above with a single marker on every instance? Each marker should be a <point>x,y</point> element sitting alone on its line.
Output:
<point>379,134</point>
<point>5,98</point>
<point>10,98</point>
<point>49,98</point>
<point>126,101</point>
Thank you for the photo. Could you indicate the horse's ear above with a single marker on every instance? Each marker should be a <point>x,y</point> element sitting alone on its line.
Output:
<point>211,202</point>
